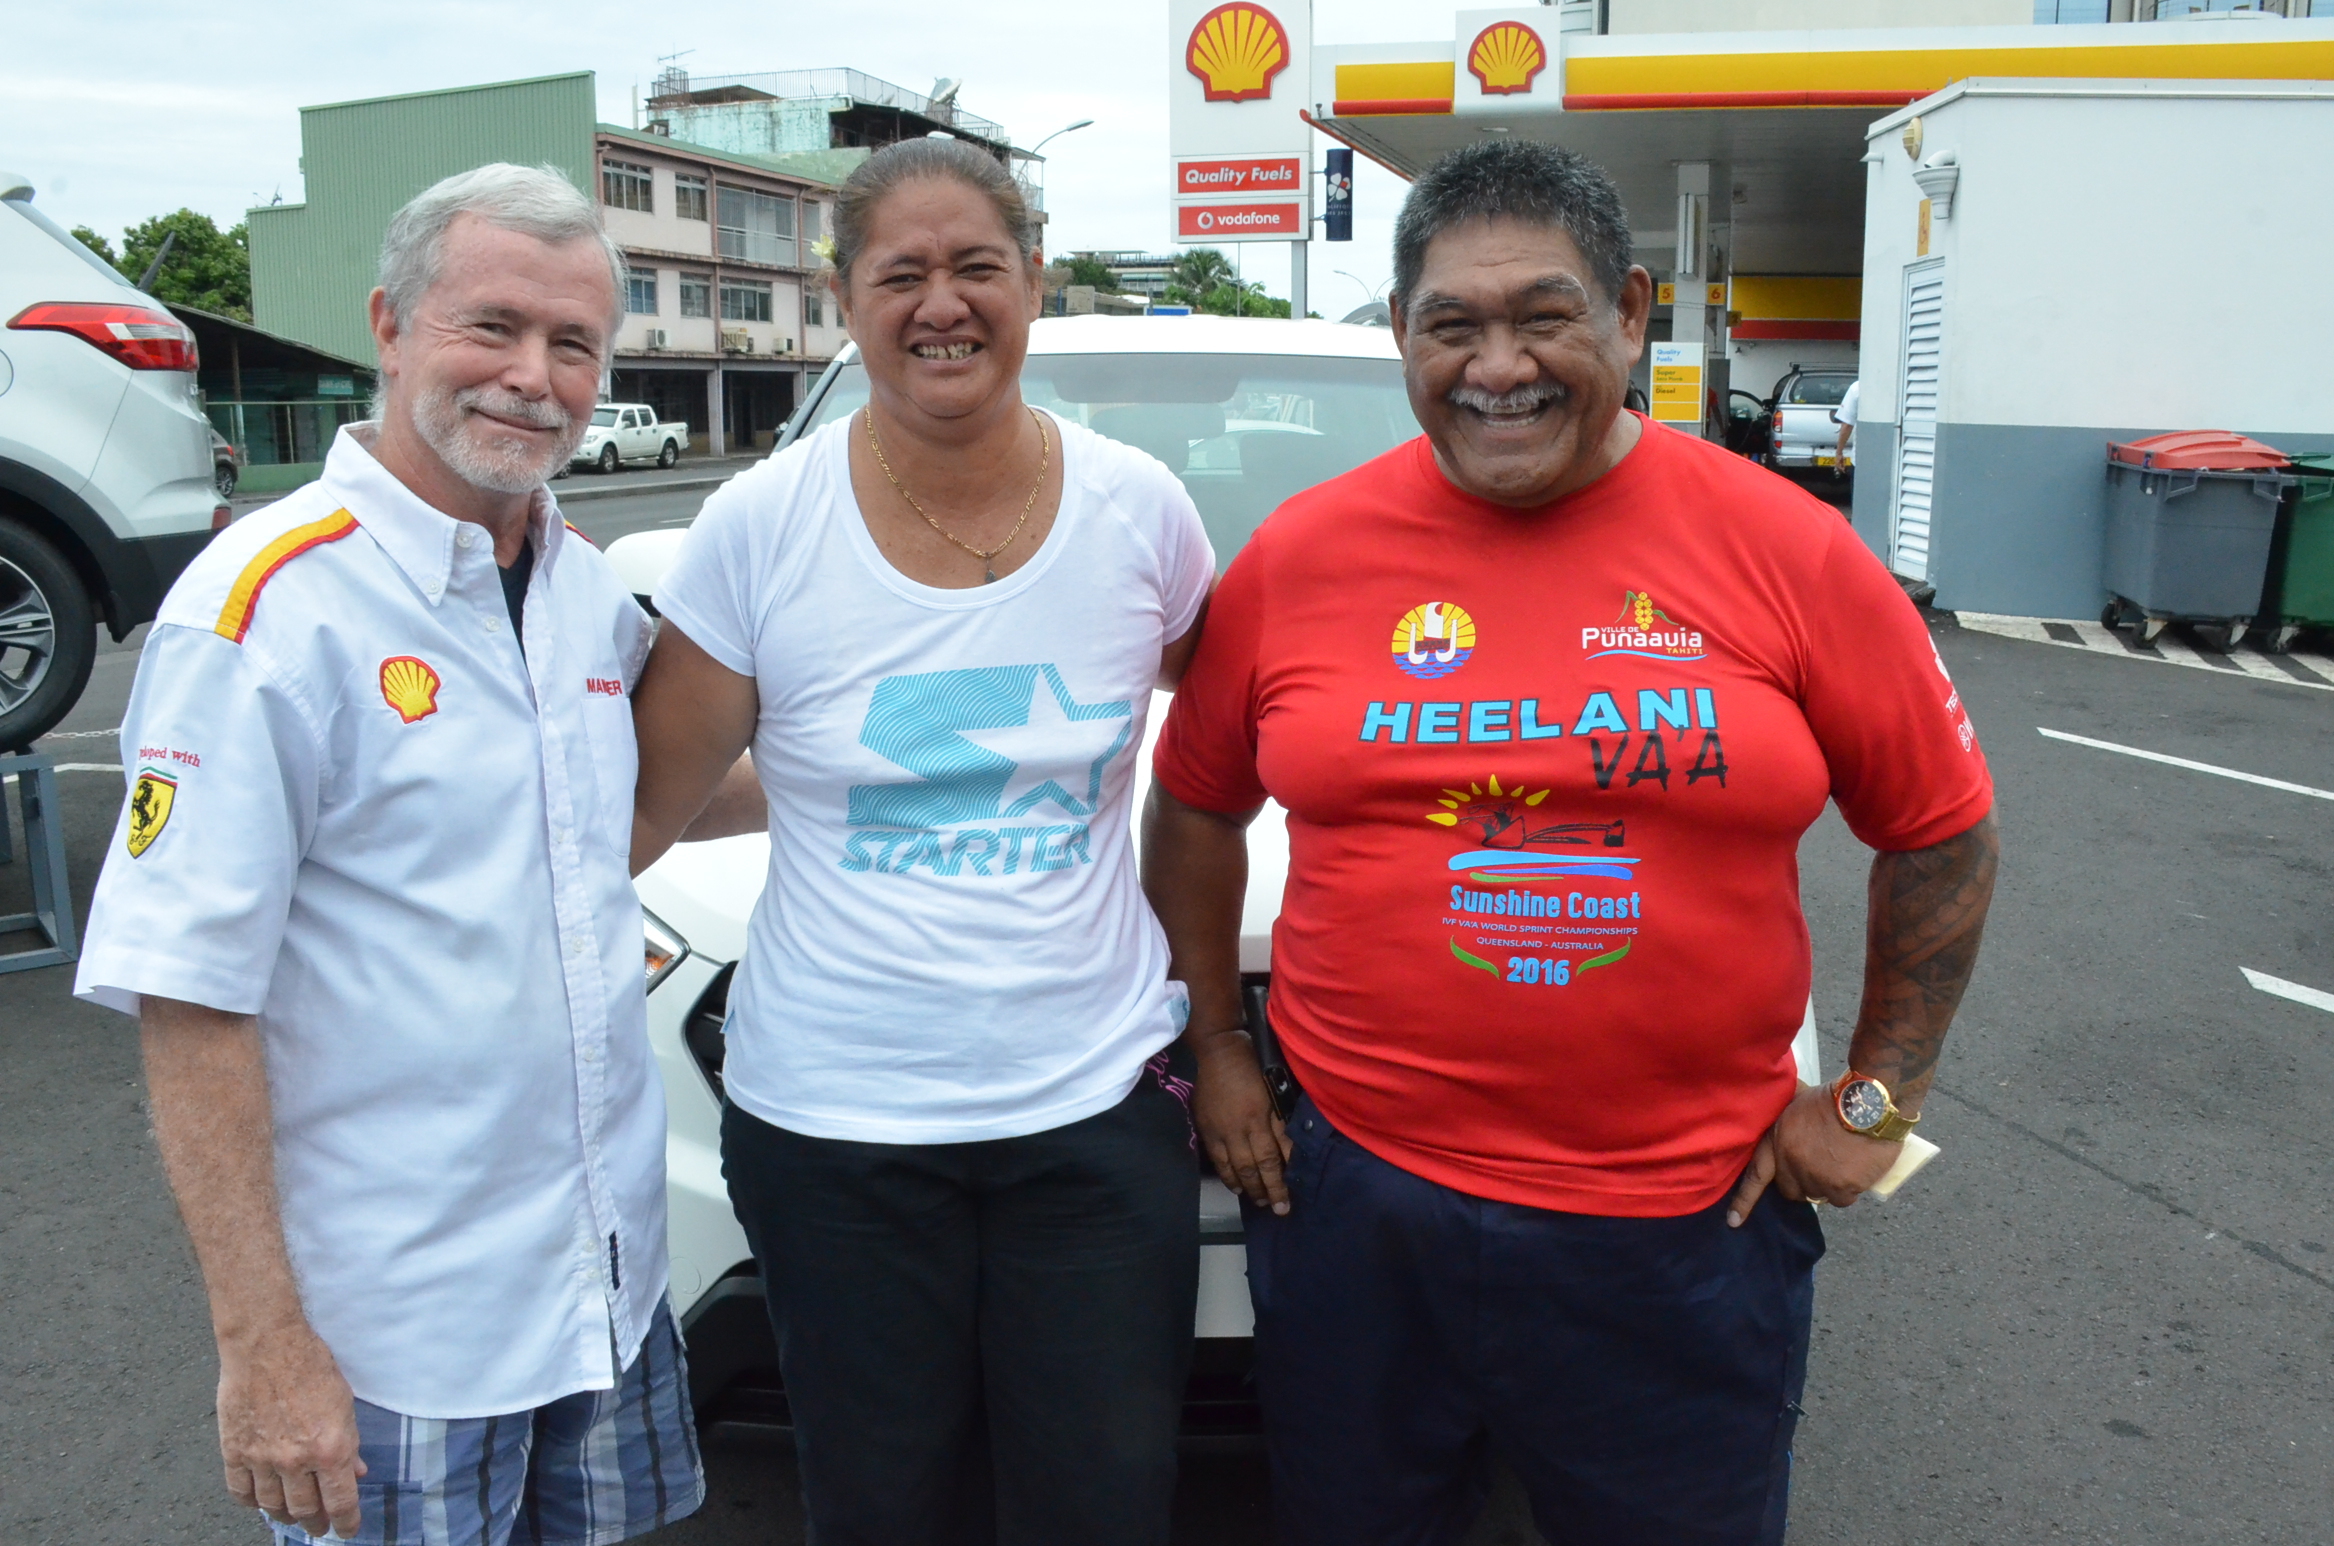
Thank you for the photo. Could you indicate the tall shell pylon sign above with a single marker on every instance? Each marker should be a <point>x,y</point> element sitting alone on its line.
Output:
<point>1236,50</point>
<point>1506,57</point>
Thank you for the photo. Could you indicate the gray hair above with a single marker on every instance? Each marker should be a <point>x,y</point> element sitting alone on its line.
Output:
<point>535,201</point>
<point>1542,185</point>
<point>906,161</point>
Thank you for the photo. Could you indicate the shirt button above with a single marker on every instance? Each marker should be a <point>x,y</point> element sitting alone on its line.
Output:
<point>465,538</point>
<point>490,623</point>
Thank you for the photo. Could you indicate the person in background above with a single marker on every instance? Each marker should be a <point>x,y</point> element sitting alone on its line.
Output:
<point>368,899</point>
<point>950,1132</point>
<point>1845,417</point>
<point>1550,695</point>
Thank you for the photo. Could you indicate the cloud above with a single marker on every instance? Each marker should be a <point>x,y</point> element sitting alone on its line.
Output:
<point>142,107</point>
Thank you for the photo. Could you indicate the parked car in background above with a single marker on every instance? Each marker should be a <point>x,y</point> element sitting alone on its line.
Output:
<point>630,432</point>
<point>1246,412</point>
<point>1802,437</point>
<point>1746,425</point>
<point>226,464</point>
<point>106,472</point>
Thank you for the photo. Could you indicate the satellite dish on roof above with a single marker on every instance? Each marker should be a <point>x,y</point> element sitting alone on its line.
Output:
<point>944,91</point>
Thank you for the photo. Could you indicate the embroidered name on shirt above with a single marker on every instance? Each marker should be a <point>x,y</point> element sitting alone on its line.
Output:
<point>607,685</point>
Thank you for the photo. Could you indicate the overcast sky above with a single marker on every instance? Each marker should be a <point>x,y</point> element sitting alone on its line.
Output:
<point>134,109</point>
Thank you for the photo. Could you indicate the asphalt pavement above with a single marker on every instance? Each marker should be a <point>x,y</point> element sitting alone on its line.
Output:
<point>2104,1315</point>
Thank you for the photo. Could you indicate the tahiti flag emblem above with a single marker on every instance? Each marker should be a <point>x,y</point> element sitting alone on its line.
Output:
<point>150,802</point>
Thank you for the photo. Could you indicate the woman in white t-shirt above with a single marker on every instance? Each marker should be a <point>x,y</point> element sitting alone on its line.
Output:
<point>950,1132</point>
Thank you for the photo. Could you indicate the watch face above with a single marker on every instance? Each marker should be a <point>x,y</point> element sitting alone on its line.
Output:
<point>1863,1104</point>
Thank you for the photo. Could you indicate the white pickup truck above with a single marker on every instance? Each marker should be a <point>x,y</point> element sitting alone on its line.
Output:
<point>630,432</point>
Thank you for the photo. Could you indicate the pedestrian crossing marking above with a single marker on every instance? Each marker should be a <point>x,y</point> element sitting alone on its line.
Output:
<point>2301,668</point>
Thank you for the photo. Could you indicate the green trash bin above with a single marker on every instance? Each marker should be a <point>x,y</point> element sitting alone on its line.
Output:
<point>2300,593</point>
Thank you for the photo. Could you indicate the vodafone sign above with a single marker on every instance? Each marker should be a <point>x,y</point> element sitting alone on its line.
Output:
<point>1240,222</point>
<point>1225,176</point>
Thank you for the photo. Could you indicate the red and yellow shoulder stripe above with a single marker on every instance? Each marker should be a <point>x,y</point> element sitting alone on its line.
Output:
<point>571,526</point>
<point>243,596</point>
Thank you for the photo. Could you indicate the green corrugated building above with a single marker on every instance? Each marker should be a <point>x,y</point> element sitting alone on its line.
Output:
<point>313,263</point>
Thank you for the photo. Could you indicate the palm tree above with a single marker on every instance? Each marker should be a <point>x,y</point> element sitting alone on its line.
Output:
<point>1201,270</point>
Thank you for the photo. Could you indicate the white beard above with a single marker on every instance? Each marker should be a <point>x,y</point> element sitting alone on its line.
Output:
<point>484,457</point>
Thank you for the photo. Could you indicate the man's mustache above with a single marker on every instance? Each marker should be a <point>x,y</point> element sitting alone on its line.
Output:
<point>546,414</point>
<point>1523,399</point>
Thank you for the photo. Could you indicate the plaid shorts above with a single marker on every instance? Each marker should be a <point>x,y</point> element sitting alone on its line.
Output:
<point>587,1470</point>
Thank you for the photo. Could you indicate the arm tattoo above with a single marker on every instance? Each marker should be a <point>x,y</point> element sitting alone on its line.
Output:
<point>1928,912</point>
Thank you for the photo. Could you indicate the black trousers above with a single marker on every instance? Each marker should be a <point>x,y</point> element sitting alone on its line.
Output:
<point>982,1342</point>
<point>1641,1376</point>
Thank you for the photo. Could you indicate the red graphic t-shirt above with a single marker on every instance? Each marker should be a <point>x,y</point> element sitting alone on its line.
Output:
<point>1546,774</point>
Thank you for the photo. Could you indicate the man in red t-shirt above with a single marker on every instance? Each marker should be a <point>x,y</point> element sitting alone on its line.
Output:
<point>1550,696</point>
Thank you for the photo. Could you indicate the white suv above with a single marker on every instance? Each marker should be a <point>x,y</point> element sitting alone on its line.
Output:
<point>1247,412</point>
<point>105,462</point>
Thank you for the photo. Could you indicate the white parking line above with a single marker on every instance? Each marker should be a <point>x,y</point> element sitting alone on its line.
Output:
<point>2193,767</point>
<point>87,767</point>
<point>2278,986</point>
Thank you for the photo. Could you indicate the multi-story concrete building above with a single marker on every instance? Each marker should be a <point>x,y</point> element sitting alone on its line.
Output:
<point>1138,273</point>
<point>726,305</point>
<point>724,316</point>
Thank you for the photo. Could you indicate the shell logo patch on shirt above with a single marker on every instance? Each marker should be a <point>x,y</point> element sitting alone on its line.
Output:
<point>410,686</point>
<point>1433,639</point>
<point>150,802</point>
<point>1643,629</point>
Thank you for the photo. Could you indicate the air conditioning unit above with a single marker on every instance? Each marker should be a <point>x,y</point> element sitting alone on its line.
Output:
<point>785,346</point>
<point>656,338</point>
<point>737,340</point>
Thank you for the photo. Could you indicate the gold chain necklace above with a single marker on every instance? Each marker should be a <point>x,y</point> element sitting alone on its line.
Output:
<point>1045,460</point>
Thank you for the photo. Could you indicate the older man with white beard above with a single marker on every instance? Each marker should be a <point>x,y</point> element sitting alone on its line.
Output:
<point>369,900</point>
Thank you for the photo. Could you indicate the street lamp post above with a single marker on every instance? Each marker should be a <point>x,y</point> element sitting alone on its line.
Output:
<point>1068,128</point>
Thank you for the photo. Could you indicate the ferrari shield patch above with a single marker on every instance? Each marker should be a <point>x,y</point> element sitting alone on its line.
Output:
<point>150,803</point>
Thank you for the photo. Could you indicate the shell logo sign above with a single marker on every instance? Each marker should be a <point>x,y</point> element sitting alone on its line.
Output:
<point>1236,50</point>
<point>1505,58</point>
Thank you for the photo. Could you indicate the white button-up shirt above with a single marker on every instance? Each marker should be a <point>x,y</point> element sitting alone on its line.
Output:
<point>358,811</point>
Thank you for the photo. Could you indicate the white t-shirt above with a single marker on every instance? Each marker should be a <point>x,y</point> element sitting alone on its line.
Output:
<point>951,944</point>
<point>1845,413</point>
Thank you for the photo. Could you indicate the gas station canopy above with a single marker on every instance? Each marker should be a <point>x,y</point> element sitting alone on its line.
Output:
<point>1779,117</point>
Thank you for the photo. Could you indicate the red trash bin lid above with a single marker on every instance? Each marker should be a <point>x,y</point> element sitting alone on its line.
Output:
<point>2212,450</point>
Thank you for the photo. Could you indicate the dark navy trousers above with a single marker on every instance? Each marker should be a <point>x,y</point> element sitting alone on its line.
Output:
<point>1641,1376</point>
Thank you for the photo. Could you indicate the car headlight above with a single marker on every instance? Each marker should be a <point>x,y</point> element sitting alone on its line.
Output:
<point>664,949</point>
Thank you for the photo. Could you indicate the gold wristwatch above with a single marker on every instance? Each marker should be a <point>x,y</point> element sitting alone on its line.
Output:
<point>1866,1108</point>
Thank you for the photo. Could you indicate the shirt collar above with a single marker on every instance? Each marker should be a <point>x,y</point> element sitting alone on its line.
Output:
<point>417,535</point>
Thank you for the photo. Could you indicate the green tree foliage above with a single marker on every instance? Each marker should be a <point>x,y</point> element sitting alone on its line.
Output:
<point>1200,270</point>
<point>1203,279</point>
<point>1236,298</point>
<point>207,267</point>
<point>1086,269</point>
